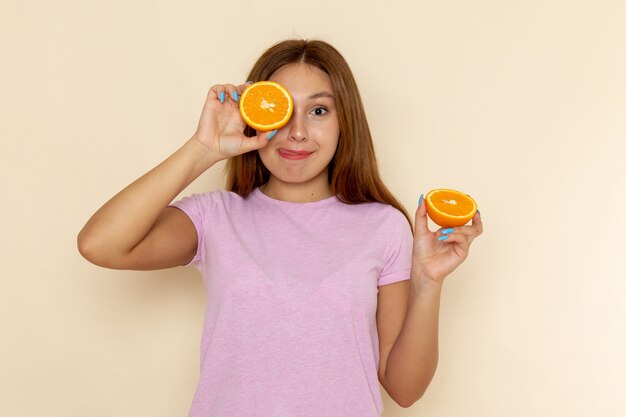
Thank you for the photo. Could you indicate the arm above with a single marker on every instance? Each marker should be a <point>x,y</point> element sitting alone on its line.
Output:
<point>135,229</point>
<point>413,358</point>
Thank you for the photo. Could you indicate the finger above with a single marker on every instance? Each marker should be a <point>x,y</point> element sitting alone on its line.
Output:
<point>459,238</point>
<point>255,142</point>
<point>477,223</point>
<point>466,230</point>
<point>261,137</point>
<point>447,230</point>
<point>231,92</point>
<point>421,219</point>
<point>242,87</point>
<point>469,233</point>
<point>220,92</point>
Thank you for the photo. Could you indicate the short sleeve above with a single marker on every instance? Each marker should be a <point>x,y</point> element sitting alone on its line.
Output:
<point>193,207</point>
<point>398,256</point>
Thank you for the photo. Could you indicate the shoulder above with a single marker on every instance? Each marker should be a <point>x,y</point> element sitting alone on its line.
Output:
<point>396,223</point>
<point>199,205</point>
<point>382,213</point>
<point>380,220</point>
<point>213,197</point>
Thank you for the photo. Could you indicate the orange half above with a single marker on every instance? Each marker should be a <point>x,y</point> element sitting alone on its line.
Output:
<point>450,208</point>
<point>265,106</point>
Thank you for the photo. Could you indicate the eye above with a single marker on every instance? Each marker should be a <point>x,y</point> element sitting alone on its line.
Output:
<point>319,109</point>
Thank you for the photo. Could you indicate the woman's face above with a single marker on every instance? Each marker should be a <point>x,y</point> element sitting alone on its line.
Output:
<point>313,127</point>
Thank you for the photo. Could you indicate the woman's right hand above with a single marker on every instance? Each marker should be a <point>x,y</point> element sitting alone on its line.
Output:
<point>221,126</point>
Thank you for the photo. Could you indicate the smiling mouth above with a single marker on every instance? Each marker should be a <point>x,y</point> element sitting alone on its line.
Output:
<point>293,154</point>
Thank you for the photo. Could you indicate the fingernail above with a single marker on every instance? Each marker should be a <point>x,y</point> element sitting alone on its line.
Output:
<point>272,134</point>
<point>443,237</point>
<point>450,230</point>
<point>479,213</point>
<point>249,82</point>
<point>236,96</point>
<point>222,97</point>
<point>420,202</point>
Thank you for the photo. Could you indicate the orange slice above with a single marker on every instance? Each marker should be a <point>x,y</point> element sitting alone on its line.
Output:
<point>265,105</point>
<point>450,208</point>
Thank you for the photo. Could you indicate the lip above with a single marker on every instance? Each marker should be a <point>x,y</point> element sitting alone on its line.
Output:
<point>293,154</point>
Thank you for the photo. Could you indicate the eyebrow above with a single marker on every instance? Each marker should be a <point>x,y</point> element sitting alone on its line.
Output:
<point>321,94</point>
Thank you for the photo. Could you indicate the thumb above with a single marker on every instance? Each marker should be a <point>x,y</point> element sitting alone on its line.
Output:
<point>421,218</point>
<point>258,141</point>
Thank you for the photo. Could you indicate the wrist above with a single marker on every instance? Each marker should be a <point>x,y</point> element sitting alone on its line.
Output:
<point>422,283</point>
<point>203,157</point>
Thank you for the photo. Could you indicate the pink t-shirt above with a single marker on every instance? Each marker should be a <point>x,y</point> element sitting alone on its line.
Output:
<point>290,323</point>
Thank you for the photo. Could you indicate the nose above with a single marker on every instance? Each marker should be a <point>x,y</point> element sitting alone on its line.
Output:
<point>296,129</point>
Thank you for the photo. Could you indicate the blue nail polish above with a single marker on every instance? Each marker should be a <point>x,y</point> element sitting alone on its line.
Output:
<point>272,134</point>
<point>236,96</point>
<point>450,230</point>
<point>420,202</point>
<point>222,97</point>
<point>443,237</point>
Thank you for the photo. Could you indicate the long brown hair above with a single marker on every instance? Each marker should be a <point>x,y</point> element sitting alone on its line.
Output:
<point>352,173</point>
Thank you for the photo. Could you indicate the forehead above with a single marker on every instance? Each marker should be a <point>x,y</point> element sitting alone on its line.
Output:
<point>302,80</point>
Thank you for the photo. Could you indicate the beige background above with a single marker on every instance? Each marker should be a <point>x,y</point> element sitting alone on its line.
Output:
<point>520,104</point>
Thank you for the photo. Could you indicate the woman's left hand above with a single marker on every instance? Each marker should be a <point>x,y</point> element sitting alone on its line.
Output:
<point>434,259</point>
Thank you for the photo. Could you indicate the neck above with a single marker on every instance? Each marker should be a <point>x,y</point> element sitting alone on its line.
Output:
<point>296,193</point>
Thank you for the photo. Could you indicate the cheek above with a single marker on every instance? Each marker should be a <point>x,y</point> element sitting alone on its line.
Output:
<point>332,138</point>
<point>327,132</point>
<point>334,131</point>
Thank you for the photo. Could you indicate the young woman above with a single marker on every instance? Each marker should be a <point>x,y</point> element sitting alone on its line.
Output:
<point>319,287</point>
